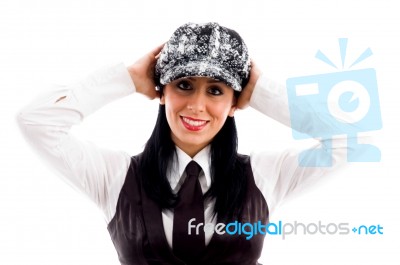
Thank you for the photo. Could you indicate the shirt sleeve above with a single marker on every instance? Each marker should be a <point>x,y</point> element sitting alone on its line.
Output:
<point>46,122</point>
<point>279,174</point>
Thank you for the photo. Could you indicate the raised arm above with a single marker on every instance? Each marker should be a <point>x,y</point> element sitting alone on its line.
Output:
<point>278,174</point>
<point>46,122</point>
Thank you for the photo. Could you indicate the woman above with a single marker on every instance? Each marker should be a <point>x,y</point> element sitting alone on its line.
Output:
<point>158,210</point>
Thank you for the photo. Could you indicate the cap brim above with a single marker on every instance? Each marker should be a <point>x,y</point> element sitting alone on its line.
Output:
<point>201,69</point>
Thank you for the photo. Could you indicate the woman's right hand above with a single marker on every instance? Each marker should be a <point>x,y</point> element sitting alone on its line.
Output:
<point>142,73</point>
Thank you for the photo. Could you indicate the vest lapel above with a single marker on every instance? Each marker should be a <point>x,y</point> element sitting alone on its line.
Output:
<point>155,231</point>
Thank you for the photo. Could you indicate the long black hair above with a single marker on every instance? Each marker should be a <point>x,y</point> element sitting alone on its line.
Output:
<point>228,181</point>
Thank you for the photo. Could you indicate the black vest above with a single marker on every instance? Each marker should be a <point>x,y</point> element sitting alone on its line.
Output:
<point>138,234</point>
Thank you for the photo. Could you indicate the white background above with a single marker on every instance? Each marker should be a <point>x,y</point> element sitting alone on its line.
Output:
<point>42,42</point>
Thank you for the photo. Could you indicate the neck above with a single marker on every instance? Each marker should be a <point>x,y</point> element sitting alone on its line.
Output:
<point>190,149</point>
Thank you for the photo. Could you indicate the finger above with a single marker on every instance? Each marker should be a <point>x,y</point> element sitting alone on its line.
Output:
<point>156,52</point>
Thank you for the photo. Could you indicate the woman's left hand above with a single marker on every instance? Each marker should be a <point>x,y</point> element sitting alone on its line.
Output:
<point>244,98</point>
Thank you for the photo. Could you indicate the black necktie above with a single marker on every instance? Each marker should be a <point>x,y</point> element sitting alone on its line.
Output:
<point>190,205</point>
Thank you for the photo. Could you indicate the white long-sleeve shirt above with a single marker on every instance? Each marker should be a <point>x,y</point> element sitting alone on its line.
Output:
<point>100,173</point>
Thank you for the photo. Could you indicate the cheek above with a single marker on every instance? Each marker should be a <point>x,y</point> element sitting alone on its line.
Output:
<point>169,111</point>
<point>222,109</point>
<point>172,107</point>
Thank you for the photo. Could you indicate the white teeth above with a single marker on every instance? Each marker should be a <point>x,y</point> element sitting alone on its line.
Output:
<point>193,123</point>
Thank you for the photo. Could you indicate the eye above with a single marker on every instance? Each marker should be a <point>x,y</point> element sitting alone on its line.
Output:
<point>184,85</point>
<point>216,91</point>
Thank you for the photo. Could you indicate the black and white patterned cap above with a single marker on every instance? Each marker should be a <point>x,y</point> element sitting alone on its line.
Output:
<point>208,50</point>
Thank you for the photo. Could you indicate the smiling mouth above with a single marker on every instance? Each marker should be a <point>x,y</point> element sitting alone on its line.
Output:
<point>193,124</point>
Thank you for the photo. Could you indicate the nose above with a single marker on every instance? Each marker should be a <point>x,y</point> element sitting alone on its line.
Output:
<point>197,102</point>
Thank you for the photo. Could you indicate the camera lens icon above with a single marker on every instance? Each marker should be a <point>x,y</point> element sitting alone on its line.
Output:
<point>325,105</point>
<point>348,101</point>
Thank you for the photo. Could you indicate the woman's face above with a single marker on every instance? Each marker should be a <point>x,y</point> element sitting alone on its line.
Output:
<point>196,109</point>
